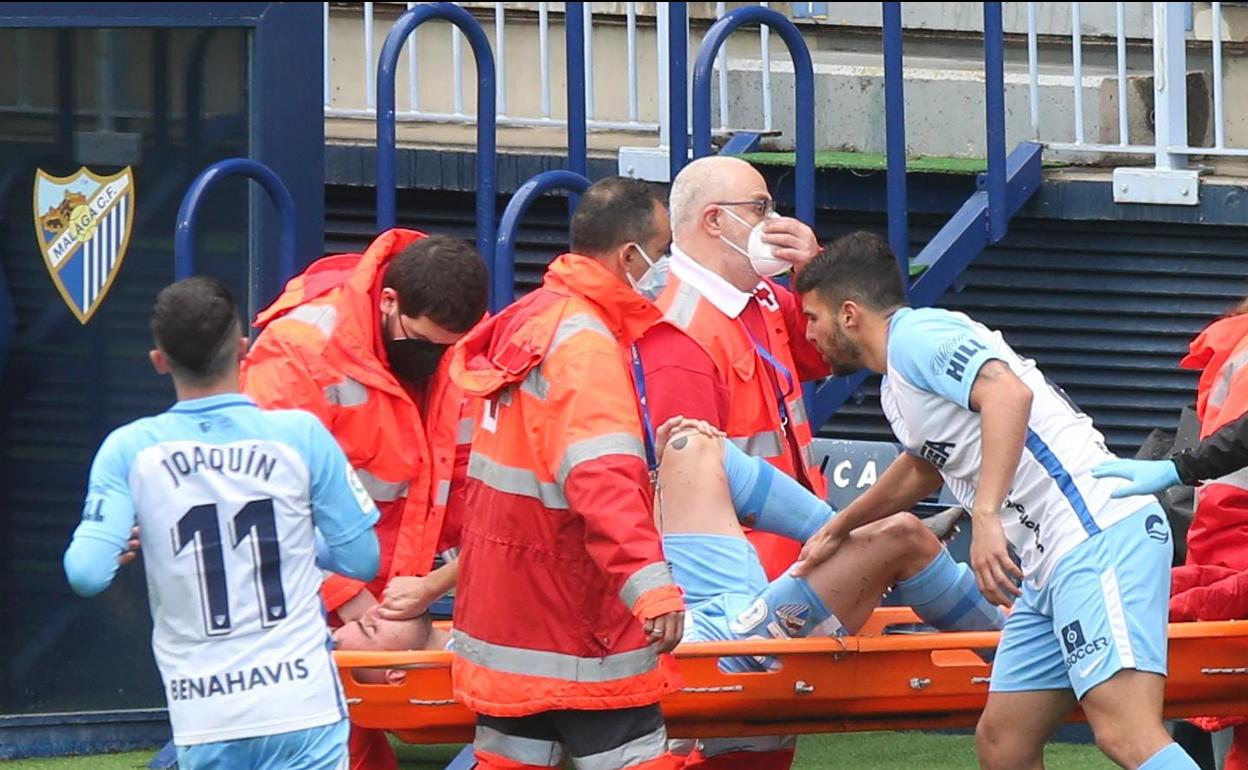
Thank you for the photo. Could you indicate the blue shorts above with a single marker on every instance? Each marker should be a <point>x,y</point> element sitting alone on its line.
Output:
<point>729,598</point>
<point>1104,609</point>
<point>316,748</point>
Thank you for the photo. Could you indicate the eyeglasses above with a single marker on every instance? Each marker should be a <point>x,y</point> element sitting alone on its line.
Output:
<point>764,207</point>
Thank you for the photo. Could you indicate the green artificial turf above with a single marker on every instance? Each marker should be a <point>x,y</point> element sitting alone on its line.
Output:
<point>870,751</point>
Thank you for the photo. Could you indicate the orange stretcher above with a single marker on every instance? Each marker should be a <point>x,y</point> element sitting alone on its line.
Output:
<point>871,681</point>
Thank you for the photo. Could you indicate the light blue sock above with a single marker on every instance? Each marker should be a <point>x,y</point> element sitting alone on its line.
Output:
<point>944,595</point>
<point>771,501</point>
<point>1172,757</point>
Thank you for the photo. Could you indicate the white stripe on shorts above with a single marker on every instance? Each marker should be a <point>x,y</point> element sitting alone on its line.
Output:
<point>1117,618</point>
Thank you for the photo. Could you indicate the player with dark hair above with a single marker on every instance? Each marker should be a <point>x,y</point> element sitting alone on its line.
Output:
<point>236,508</point>
<point>1089,627</point>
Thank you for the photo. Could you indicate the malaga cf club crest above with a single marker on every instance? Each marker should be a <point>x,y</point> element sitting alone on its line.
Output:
<point>83,225</point>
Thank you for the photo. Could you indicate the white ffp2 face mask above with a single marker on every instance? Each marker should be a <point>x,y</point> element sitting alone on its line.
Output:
<point>652,282</point>
<point>761,255</point>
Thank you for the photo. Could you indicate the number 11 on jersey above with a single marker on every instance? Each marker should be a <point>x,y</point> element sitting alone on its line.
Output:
<point>257,520</point>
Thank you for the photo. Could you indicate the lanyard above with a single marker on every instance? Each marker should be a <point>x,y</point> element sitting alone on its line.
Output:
<point>639,383</point>
<point>779,369</point>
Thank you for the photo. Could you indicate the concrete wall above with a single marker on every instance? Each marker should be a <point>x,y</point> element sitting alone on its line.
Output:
<point>944,88</point>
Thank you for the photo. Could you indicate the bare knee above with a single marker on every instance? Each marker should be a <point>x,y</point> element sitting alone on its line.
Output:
<point>1115,742</point>
<point>998,749</point>
<point>1123,740</point>
<point>907,534</point>
<point>693,451</point>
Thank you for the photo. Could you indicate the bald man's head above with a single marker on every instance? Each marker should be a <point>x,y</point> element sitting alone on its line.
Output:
<point>708,180</point>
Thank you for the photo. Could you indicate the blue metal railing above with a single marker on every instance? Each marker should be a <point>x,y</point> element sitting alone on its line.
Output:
<point>677,80</point>
<point>895,133</point>
<point>804,76</point>
<point>994,100</point>
<point>504,291</point>
<point>188,213</point>
<point>578,132</point>
<point>387,150</point>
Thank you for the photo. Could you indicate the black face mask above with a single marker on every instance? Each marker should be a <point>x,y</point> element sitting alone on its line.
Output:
<point>413,361</point>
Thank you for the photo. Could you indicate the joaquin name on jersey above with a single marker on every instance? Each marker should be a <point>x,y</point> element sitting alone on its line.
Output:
<point>232,460</point>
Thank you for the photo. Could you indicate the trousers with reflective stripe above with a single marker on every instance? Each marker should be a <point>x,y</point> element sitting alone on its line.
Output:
<point>621,739</point>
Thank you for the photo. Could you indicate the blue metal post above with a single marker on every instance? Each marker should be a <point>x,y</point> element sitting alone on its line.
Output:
<point>804,183</point>
<point>895,127</point>
<point>578,153</point>
<point>387,66</point>
<point>994,98</point>
<point>188,212</point>
<point>677,86</point>
<point>504,282</point>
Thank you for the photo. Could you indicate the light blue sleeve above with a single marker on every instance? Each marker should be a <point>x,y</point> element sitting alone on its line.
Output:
<point>342,510</point>
<point>938,352</point>
<point>107,517</point>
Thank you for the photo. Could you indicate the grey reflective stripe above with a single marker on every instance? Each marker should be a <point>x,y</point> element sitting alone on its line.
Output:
<point>554,665</point>
<point>526,751</point>
<point>1226,376</point>
<point>765,444</point>
<point>347,392</point>
<point>464,435</point>
<point>647,748</point>
<point>712,747</point>
<point>323,317</point>
<point>536,384</point>
<point>449,555</point>
<point>573,324</point>
<point>647,578</point>
<point>808,453</point>
<point>596,447</point>
<point>683,306</point>
<point>797,410</point>
<point>381,491</point>
<point>443,493</point>
<point>515,481</point>
<point>1238,479</point>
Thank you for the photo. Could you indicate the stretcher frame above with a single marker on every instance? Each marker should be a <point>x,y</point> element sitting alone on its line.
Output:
<point>869,681</point>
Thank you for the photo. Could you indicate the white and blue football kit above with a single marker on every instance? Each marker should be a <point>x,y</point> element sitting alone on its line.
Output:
<point>1096,569</point>
<point>730,598</point>
<point>231,502</point>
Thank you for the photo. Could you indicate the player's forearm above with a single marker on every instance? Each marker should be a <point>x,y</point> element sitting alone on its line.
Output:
<point>1003,425</point>
<point>442,579</point>
<point>903,484</point>
<point>90,565</point>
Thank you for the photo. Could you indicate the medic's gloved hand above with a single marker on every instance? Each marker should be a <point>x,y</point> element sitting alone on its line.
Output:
<point>1145,476</point>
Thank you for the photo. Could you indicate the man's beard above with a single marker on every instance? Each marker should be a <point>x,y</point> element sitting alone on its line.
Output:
<point>844,356</point>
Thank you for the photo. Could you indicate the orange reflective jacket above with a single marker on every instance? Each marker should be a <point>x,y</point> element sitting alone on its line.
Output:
<point>321,350</point>
<point>756,423</point>
<point>561,562</point>
<point>1219,531</point>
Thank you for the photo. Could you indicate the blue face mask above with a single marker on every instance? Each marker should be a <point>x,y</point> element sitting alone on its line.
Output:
<point>652,282</point>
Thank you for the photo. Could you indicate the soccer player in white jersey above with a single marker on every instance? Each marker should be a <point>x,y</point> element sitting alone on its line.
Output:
<point>236,508</point>
<point>1089,623</point>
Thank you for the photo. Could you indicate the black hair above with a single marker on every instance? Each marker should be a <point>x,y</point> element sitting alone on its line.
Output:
<point>858,266</point>
<point>612,212</point>
<point>440,277</point>
<point>195,323</point>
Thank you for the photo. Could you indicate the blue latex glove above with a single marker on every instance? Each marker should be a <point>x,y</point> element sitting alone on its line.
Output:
<point>1146,477</point>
